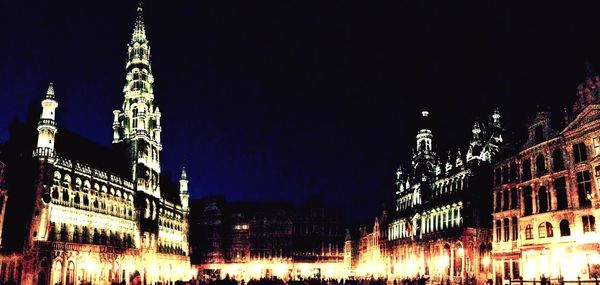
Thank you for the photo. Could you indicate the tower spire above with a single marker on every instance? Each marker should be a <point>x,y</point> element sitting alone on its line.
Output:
<point>137,123</point>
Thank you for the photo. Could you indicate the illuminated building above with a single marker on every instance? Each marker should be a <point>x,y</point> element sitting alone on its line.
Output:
<point>80,212</point>
<point>441,224</point>
<point>546,197</point>
<point>266,238</point>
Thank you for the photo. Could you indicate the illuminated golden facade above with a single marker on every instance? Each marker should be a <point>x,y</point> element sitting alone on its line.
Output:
<point>98,219</point>
<point>440,227</point>
<point>546,197</point>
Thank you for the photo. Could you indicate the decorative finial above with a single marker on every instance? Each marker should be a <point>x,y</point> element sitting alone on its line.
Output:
<point>50,92</point>
<point>183,174</point>
<point>425,113</point>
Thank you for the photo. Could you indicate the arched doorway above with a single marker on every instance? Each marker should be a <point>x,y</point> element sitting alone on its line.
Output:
<point>71,273</point>
<point>459,256</point>
<point>56,276</point>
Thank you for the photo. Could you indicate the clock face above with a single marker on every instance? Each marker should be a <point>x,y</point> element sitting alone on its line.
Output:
<point>46,198</point>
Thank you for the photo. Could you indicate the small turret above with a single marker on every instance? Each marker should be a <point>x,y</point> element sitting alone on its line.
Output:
<point>183,190</point>
<point>47,126</point>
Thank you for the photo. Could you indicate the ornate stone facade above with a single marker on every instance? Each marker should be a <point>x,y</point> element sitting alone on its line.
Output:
<point>440,226</point>
<point>95,214</point>
<point>546,197</point>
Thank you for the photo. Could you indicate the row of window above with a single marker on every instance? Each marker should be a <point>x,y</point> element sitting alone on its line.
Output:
<point>543,198</point>
<point>545,229</point>
<point>86,187</point>
<point>508,229</point>
<point>505,225</point>
<point>76,234</point>
<point>510,172</point>
<point>95,203</point>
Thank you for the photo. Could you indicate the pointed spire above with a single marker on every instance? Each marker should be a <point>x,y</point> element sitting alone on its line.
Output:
<point>50,92</point>
<point>183,174</point>
<point>139,31</point>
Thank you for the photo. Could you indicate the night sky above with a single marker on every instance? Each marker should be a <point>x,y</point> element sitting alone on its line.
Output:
<point>288,99</point>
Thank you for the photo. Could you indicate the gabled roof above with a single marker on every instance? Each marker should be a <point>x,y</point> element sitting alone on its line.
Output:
<point>588,115</point>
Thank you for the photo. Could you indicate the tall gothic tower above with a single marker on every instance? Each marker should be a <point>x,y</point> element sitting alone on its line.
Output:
<point>137,124</point>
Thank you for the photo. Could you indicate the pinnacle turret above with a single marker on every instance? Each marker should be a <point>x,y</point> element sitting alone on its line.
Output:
<point>183,174</point>
<point>50,92</point>
<point>47,125</point>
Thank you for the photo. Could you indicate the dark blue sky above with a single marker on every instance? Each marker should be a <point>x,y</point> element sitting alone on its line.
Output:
<point>285,99</point>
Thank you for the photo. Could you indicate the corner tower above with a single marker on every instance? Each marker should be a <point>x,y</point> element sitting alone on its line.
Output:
<point>137,124</point>
<point>47,126</point>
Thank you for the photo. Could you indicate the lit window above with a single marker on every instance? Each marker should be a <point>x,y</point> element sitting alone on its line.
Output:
<point>545,230</point>
<point>529,232</point>
<point>596,145</point>
<point>589,224</point>
<point>515,228</point>
<point>584,188</point>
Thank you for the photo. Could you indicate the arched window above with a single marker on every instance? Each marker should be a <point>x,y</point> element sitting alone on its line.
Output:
<point>545,230</point>
<point>543,199</point>
<point>57,273</point>
<point>63,232</point>
<point>558,162</point>
<point>96,237</point>
<point>526,167</point>
<point>529,232</point>
<point>564,228</point>
<point>56,180</point>
<point>85,235</point>
<point>505,200</point>
<point>65,194</point>
<point>540,165</point>
<point>527,201</point>
<point>76,234</point>
<point>78,184</point>
<point>103,238</point>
